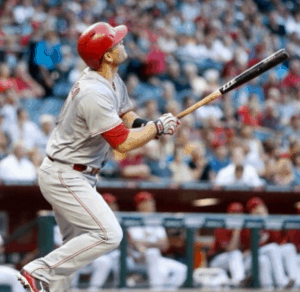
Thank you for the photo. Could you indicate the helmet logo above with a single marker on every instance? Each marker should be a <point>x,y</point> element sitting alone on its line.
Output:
<point>98,35</point>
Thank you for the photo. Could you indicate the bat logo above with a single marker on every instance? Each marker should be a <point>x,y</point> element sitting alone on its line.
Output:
<point>228,84</point>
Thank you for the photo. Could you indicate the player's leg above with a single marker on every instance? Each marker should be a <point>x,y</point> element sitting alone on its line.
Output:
<point>236,267</point>
<point>231,262</point>
<point>289,257</point>
<point>101,268</point>
<point>272,251</point>
<point>176,272</point>
<point>265,272</point>
<point>298,260</point>
<point>8,277</point>
<point>79,203</point>
<point>67,232</point>
<point>156,274</point>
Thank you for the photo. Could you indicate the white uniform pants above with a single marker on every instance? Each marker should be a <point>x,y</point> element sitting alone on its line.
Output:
<point>270,266</point>
<point>87,224</point>
<point>289,258</point>
<point>8,277</point>
<point>232,262</point>
<point>164,272</point>
<point>100,269</point>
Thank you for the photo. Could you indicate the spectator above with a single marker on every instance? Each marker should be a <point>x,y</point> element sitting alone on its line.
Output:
<point>47,56</point>
<point>284,174</point>
<point>180,170</point>
<point>254,155</point>
<point>133,166</point>
<point>157,159</point>
<point>296,164</point>
<point>149,242</point>
<point>293,77</point>
<point>199,166</point>
<point>46,125</point>
<point>285,108</point>
<point>23,12</point>
<point>36,157</point>
<point>4,141</point>
<point>238,173</point>
<point>25,86</point>
<point>16,167</point>
<point>220,158</point>
<point>270,117</point>
<point>251,114</point>
<point>24,130</point>
<point>226,253</point>
<point>293,130</point>
<point>270,246</point>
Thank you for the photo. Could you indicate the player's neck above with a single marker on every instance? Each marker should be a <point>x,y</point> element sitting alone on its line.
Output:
<point>108,72</point>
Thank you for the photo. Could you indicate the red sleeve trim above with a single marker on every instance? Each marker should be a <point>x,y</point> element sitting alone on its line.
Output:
<point>116,135</point>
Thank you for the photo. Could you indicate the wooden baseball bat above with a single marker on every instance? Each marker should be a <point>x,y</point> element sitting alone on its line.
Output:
<point>241,79</point>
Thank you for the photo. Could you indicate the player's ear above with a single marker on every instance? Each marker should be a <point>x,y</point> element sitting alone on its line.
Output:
<point>108,57</point>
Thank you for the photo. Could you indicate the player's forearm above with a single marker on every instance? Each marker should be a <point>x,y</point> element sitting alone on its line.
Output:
<point>129,118</point>
<point>235,241</point>
<point>138,138</point>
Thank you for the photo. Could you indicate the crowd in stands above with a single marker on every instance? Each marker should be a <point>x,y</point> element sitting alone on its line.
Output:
<point>179,51</point>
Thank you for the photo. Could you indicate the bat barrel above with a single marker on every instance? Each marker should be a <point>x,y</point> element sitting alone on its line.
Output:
<point>256,70</point>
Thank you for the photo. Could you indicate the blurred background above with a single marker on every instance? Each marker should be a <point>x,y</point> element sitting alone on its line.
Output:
<point>245,144</point>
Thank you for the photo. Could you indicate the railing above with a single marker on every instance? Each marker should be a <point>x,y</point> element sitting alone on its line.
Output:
<point>190,222</point>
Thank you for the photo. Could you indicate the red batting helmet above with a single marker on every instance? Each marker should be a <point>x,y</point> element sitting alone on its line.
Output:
<point>141,197</point>
<point>235,207</point>
<point>253,203</point>
<point>96,40</point>
<point>109,198</point>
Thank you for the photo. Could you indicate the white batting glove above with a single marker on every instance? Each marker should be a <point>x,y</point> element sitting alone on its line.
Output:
<point>166,124</point>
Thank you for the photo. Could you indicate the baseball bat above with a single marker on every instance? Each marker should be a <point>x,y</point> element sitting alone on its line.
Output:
<point>241,79</point>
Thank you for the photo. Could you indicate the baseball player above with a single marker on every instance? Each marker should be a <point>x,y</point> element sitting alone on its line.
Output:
<point>292,236</point>
<point>281,257</point>
<point>8,275</point>
<point>96,117</point>
<point>149,241</point>
<point>226,253</point>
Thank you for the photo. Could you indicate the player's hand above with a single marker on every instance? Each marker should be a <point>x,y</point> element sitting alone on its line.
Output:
<point>166,124</point>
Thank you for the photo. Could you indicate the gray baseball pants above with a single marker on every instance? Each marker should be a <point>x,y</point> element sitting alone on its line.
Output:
<point>87,224</point>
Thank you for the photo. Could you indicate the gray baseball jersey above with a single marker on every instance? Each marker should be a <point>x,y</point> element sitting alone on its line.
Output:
<point>93,107</point>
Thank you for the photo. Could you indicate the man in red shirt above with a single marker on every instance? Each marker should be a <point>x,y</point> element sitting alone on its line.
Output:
<point>226,252</point>
<point>270,251</point>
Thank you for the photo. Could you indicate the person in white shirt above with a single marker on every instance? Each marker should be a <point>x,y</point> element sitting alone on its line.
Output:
<point>238,173</point>
<point>8,275</point>
<point>46,124</point>
<point>24,130</point>
<point>149,242</point>
<point>16,167</point>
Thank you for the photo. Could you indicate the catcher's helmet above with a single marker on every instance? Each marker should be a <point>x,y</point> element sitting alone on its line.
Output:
<point>96,40</point>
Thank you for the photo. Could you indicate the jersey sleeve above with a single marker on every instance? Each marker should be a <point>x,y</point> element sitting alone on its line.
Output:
<point>99,112</point>
<point>126,103</point>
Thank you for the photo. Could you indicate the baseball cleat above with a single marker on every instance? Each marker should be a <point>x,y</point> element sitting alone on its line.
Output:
<point>31,283</point>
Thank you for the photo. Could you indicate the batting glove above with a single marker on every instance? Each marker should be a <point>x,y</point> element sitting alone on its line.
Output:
<point>166,124</point>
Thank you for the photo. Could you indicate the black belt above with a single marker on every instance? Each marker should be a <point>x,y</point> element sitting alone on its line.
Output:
<point>81,167</point>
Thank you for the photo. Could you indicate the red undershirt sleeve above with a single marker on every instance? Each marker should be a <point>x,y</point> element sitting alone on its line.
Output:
<point>116,135</point>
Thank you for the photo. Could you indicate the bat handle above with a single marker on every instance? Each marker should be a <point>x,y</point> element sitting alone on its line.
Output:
<point>200,103</point>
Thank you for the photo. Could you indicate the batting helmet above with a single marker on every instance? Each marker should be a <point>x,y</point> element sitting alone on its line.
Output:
<point>96,40</point>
